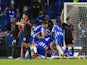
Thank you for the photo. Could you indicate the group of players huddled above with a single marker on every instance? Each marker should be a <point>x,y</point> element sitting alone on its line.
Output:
<point>39,41</point>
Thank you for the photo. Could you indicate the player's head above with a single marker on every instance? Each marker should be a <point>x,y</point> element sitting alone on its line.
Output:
<point>41,12</point>
<point>11,8</point>
<point>47,16</point>
<point>13,20</point>
<point>25,16</point>
<point>68,19</point>
<point>45,24</point>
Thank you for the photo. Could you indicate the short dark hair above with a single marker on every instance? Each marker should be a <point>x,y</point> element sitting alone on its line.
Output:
<point>44,22</point>
<point>68,18</point>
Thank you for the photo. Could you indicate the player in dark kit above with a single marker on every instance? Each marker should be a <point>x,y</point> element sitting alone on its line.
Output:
<point>69,35</point>
<point>27,31</point>
<point>14,32</point>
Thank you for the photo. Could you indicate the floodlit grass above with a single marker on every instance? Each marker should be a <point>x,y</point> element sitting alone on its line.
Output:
<point>43,62</point>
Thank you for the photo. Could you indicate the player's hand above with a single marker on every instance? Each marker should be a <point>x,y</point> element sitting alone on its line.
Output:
<point>74,40</point>
<point>17,23</point>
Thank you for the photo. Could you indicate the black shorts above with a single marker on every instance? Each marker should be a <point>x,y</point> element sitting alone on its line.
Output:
<point>68,41</point>
<point>26,39</point>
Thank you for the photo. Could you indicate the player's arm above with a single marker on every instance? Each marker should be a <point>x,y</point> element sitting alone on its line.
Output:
<point>62,16</point>
<point>74,35</point>
<point>79,25</point>
<point>51,47</point>
<point>35,32</point>
<point>28,22</point>
<point>53,31</point>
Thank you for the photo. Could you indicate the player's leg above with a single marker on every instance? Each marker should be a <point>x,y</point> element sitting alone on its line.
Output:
<point>28,46</point>
<point>59,49</point>
<point>68,41</point>
<point>21,52</point>
<point>33,45</point>
<point>72,49</point>
<point>48,51</point>
<point>36,41</point>
<point>29,51</point>
<point>59,41</point>
<point>15,53</point>
<point>23,49</point>
<point>41,52</point>
<point>34,49</point>
<point>66,50</point>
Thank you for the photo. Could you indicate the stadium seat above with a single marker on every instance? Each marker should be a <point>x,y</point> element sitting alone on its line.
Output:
<point>9,41</point>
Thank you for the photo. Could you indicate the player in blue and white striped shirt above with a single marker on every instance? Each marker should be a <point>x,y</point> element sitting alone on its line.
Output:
<point>39,33</point>
<point>58,37</point>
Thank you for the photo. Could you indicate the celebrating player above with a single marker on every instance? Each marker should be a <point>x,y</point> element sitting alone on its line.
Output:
<point>58,34</point>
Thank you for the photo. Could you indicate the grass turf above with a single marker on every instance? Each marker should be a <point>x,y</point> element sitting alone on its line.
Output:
<point>43,62</point>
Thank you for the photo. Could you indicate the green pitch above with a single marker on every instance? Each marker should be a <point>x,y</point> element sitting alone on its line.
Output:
<point>43,62</point>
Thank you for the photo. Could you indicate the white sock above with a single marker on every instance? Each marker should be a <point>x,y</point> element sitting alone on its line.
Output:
<point>32,52</point>
<point>34,49</point>
<point>60,50</point>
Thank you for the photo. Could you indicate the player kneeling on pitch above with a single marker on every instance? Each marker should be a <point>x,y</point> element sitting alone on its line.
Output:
<point>43,45</point>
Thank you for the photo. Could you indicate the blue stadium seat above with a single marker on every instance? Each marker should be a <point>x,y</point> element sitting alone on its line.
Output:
<point>33,21</point>
<point>50,13</point>
<point>2,24</point>
<point>9,41</point>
